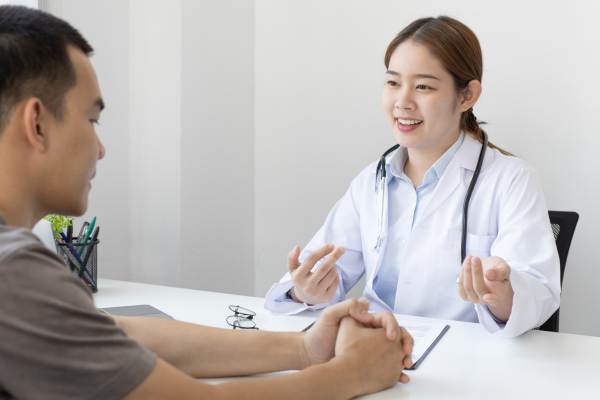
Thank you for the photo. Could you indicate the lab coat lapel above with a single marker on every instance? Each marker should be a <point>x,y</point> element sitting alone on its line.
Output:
<point>448,183</point>
<point>466,157</point>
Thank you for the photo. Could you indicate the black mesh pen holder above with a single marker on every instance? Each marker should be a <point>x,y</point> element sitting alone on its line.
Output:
<point>88,257</point>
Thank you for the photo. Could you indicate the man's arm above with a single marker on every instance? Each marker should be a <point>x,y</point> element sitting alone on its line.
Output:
<point>365,361</point>
<point>204,352</point>
<point>333,380</point>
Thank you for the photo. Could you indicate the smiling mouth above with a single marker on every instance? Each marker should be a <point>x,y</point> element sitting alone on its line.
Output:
<point>408,122</point>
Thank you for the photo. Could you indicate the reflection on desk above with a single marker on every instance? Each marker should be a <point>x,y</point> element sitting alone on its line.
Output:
<point>467,363</point>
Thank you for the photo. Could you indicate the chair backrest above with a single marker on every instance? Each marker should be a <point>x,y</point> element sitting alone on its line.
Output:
<point>563,226</point>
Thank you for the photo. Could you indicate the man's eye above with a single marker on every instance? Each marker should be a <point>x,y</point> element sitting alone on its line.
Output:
<point>95,122</point>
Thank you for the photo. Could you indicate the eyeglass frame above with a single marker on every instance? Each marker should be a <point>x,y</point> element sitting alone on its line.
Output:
<point>241,315</point>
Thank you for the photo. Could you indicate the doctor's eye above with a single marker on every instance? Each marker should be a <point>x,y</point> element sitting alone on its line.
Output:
<point>392,83</point>
<point>423,87</point>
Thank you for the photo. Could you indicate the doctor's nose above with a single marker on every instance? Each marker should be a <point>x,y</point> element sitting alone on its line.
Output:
<point>404,101</point>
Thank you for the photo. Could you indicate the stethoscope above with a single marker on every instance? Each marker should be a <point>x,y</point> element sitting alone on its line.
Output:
<point>380,190</point>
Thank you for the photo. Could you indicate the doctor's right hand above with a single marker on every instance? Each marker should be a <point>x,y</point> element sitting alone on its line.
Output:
<point>319,286</point>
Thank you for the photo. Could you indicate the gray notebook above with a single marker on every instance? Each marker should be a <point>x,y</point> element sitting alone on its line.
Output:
<point>140,311</point>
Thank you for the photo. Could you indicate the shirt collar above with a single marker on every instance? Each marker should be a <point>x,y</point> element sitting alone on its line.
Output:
<point>397,161</point>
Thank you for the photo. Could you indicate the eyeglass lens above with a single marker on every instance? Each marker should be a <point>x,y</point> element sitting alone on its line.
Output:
<point>242,311</point>
<point>240,322</point>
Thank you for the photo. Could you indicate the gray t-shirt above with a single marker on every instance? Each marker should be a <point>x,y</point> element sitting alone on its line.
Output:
<point>54,344</point>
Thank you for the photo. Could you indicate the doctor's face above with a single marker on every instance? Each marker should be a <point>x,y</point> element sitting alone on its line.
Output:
<point>420,99</point>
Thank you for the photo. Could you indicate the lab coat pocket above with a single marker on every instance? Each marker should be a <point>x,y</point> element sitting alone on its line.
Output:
<point>450,262</point>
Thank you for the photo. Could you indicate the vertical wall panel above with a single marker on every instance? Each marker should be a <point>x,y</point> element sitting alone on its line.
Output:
<point>217,202</point>
<point>155,141</point>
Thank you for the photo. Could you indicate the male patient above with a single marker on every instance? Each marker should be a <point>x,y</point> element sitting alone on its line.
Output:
<point>54,343</point>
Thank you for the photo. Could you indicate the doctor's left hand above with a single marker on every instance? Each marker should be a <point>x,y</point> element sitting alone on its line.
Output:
<point>487,281</point>
<point>319,342</point>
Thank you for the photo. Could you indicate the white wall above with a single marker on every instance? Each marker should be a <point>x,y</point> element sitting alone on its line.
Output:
<point>178,129</point>
<point>217,195</point>
<point>155,139</point>
<point>319,75</point>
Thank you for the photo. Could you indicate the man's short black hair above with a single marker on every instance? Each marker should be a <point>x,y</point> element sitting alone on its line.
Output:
<point>34,61</point>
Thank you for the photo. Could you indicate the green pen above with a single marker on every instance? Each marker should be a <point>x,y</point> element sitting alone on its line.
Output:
<point>87,235</point>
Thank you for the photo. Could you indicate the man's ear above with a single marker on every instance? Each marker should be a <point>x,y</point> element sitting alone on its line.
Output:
<point>470,95</point>
<point>36,121</point>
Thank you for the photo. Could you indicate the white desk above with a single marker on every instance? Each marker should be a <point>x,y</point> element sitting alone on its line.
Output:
<point>466,364</point>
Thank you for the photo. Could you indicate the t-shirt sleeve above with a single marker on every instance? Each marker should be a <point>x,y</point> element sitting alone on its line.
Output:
<point>54,343</point>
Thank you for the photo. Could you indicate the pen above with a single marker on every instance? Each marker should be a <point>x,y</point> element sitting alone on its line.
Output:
<point>88,233</point>
<point>88,254</point>
<point>71,248</point>
<point>70,233</point>
<point>82,231</point>
<point>74,253</point>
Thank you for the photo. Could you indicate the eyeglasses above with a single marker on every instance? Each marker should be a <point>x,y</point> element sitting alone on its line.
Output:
<point>242,318</point>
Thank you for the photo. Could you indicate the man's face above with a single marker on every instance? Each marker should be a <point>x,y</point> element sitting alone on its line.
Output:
<point>74,147</point>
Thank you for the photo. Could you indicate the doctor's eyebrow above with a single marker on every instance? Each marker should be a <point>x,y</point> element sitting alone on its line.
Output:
<point>421,76</point>
<point>425,76</point>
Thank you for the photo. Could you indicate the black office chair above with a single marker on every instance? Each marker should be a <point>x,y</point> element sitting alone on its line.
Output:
<point>563,226</point>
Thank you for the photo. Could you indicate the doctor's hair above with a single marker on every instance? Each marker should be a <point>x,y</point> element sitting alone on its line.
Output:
<point>34,61</point>
<point>457,47</point>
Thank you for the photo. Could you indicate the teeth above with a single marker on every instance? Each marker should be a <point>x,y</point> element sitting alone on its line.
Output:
<point>409,121</point>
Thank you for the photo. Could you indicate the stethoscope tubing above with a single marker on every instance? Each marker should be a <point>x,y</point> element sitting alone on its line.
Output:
<point>381,167</point>
<point>463,242</point>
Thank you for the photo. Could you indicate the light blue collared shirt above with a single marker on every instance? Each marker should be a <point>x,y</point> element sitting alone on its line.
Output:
<point>405,204</point>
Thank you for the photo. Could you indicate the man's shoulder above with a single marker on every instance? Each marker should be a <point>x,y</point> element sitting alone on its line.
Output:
<point>14,240</point>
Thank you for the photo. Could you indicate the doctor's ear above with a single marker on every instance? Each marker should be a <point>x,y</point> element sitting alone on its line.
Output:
<point>470,95</point>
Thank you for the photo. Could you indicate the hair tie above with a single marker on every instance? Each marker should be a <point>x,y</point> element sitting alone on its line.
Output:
<point>472,117</point>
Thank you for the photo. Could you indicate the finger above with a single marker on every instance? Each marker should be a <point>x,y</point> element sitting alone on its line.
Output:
<point>479,285</point>
<point>314,257</point>
<point>327,265</point>
<point>332,315</point>
<point>292,259</point>
<point>493,300</point>
<point>468,283</point>
<point>327,280</point>
<point>404,378</point>
<point>387,321</point>
<point>461,289</point>
<point>407,343</point>
<point>498,273</point>
<point>330,292</point>
<point>408,362</point>
<point>361,313</point>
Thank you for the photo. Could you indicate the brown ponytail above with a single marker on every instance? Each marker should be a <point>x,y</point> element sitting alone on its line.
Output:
<point>457,47</point>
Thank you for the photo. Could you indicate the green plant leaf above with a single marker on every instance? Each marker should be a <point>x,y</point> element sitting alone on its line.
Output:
<point>59,223</point>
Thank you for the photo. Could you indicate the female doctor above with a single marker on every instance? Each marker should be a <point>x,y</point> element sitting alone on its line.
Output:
<point>409,244</point>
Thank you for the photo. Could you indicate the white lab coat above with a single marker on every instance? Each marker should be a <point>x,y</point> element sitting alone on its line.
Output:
<point>508,218</point>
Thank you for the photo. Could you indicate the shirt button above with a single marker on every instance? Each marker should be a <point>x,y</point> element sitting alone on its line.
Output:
<point>404,242</point>
<point>429,176</point>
